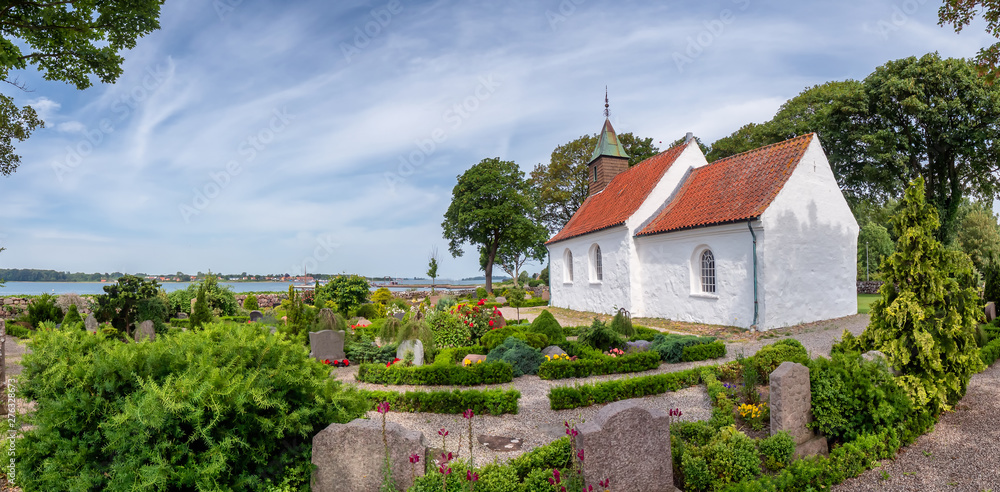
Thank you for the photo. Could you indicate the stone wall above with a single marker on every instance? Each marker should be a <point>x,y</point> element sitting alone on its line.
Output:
<point>869,287</point>
<point>263,300</point>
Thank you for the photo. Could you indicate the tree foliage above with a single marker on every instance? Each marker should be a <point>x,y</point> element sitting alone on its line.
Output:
<point>432,267</point>
<point>68,40</point>
<point>221,298</point>
<point>120,302</point>
<point>347,291</point>
<point>960,13</point>
<point>562,184</point>
<point>201,314</point>
<point>928,310</point>
<point>874,244</point>
<point>979,236</point>
<point>493,207</point>
<point>928,117</point>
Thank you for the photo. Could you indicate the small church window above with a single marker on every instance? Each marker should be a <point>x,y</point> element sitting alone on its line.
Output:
<point>568,266</point>
<point>593,175</point>
<point>598,267</point>
<point>708,271</point>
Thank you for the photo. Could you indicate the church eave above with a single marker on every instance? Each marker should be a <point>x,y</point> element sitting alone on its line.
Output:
<point>584,233</point>
<point>696,226</point>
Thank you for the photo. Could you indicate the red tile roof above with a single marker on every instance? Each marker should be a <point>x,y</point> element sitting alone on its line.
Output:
<point>731,189</point>
<point>620,199</point>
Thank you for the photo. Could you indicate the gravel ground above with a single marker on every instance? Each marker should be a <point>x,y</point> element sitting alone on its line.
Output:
<point>961,454</point>
<point>536,424</point>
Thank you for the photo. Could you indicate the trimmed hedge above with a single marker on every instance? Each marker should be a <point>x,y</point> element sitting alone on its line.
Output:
<point>704,351</point>
<point>563,397</point>
<point>581,368</point>
<point>434,374</point>
<point>491,401</point>
<point>990,353</point>
<point>643,333</point>
<point>180,323</point>
<point>671,347</point>
<point>236,319</point>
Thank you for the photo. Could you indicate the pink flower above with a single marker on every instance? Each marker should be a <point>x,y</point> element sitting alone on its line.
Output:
<point>383,407</point>
<point>580,455</point>
<point>414,458</point>
<point>471,477</point>
<point>442,432</point>
<point>468,414</point>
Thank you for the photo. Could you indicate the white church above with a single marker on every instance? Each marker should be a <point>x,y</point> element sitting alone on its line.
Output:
<point>761,239</point>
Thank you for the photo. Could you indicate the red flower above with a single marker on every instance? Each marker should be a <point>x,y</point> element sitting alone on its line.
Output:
<point>327,361</point>
<point>481,302</point>
<point>491,322</point>
<point>346,362</point>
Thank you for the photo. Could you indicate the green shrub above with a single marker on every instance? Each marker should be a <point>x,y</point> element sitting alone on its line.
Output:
<point>605,364</point>
<point>233,407</point>
<point>622,325</point>
<point>704,351</point>
<point>180,323</point>
<point>583,395</point>
<point>44,308</point>
<point>547,325</point>
<point>446,304</point>
<point>251,303</point>
<point>851,396</point>
<point>388,330</point>
<point>490,401</point>
<point>481,293</point>
<point>72,316</point>
<point>453,355</point>
<point>770,356</point>
<point>730,457</point>
<point>643,333</point>
<point>417,330</point>
<point>777,450</point>
<point>494,338</point>
<point>671,347</point>
<point>16,330</point>
<point>524,358</point>
<point>448,330</point>
<point>437,375</point>
<point>601,337</point>
<point>235,319</point>
<point>364,350</point>
<point>368,311</point>
<point>990,353</point>
<point>555,455</point>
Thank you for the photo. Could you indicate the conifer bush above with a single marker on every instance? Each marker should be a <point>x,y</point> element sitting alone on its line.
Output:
<point>72,316</point>
<point>222,408</point>
<point>547,325</point>
<point>251,303</point>
<point>925,318</point>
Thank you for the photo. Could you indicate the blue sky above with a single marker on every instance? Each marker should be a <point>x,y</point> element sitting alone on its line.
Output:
<point>275,136</point>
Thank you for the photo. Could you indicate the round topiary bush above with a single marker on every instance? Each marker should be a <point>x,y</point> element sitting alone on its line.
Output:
<point>547,325</point>
<point>250,303</point>
<point>228,407</point>
<point>770,356</point>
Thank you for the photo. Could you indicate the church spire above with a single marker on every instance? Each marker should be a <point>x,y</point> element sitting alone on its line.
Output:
<point>607,113</point>
<point>609,158</point>
<point>607,141</point>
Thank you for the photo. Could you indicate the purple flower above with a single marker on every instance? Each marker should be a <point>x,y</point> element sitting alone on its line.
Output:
<point>414,458</point>
<point>468,414</point>
<point>383,407</point>
<point>471,477</point>
<point>442,432</point>
<point>579,454</point>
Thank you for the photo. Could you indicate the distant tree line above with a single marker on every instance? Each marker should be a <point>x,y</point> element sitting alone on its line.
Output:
<point>33,275</point>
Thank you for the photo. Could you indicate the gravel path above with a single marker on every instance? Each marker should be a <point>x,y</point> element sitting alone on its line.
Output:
<point>961,454</point>
<point>536,424</point>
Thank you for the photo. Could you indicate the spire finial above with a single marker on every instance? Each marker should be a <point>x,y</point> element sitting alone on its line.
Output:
<point>606,112</point>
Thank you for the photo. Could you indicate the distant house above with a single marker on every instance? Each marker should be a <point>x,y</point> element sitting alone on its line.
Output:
<point>761,238</point>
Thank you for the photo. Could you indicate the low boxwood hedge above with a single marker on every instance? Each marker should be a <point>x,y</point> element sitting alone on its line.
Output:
<point>990,352</point>
<point>563,397</point>
<point>435,374</point>
<point>704,351</point>
<point>490,401</point>
<point>605,364</point>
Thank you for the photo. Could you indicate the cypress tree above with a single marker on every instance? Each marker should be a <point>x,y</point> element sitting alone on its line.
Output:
<point>201,313</point>
<point>926,317</point>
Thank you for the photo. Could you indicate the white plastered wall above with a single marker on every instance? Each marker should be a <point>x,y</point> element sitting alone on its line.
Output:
<point>671,275</point>
<point>809,257</point>
<point>584,292</point>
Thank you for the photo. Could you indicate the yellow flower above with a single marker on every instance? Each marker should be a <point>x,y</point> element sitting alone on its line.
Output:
<point>467,362</point>
<point>548,358</point>
<point>480,361</point>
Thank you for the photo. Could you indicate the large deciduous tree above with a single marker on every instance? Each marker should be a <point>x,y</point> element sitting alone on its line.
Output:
<point>68,40</point>
<point>492,205</point>
<point>960,13</point>
<point>562,184</point>
<point>915,117</point>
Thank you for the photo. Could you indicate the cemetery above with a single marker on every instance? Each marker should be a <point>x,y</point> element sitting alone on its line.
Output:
<point>455,395</point>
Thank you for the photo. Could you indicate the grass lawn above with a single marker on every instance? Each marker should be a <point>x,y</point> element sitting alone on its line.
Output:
<point>865,301</point>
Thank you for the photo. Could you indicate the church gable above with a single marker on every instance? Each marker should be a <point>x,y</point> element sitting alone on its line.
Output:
<point>733,189</point>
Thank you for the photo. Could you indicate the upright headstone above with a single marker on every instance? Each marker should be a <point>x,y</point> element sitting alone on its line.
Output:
<point>434,300</point>
<point>256,315</point>
<point>415,346</point>
<point>399,315</point>
<point>546,296</point>
<point>145,331</point>
<point>791,402</point>
<point>350,457</point>
<point>90,323</point>
<point>501,300</point>
<point>193,301</point>
<point>181,315</point>
<point>991,311</point>
<point>630,445</point>
<point>326,344</point>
